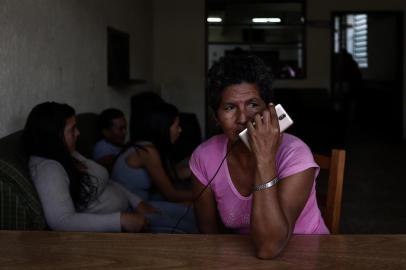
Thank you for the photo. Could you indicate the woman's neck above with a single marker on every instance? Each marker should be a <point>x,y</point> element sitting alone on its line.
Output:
<point>239,153</point>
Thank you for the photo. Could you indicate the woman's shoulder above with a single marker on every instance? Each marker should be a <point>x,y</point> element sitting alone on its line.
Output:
<point>290,141</point>
<point>141,148</point>
<point>141,154</point>
<point>208,154</point>
<point>145,147</point>
<point>101,143</point>
<point>36,162</point>
<point>104,148</point>
<point>214,144</point>
<point>144,143</point>
<point>46,170</point>
<point>293,156</point>
<point>86,161</point>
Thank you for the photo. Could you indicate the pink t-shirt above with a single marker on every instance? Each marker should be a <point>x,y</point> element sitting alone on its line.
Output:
<point>293,157</point>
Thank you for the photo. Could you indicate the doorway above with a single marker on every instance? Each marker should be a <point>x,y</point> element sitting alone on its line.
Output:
<point>367,91</point>
<point>367,74</point>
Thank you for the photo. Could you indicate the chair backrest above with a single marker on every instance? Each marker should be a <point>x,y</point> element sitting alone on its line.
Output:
<point>335,165</point>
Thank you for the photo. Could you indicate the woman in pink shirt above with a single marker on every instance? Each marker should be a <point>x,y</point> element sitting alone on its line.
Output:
<point>268,191</point>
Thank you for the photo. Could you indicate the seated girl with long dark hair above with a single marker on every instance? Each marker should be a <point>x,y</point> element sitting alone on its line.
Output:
<point>145,167</point>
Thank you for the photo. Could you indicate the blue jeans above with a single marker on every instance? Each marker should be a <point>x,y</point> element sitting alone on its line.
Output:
<point>173,218</point>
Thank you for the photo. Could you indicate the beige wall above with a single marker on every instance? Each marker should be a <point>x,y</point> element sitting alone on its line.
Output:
<point>57,50</point>
<point>179,53</point>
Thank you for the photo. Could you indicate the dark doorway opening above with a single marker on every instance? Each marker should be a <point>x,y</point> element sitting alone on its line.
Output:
<point>367,91</point>
<point>367,74</point>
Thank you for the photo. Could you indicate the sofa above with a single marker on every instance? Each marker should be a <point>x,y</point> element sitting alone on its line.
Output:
<point>20,207</point>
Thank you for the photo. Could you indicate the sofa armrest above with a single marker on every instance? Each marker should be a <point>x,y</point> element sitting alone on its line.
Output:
<point>20,206</point>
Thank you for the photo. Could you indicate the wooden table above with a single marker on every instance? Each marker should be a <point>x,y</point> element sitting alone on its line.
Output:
<point>53,250</point>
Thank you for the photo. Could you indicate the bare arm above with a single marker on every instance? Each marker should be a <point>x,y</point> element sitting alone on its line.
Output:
<point>183,172</point>
<point>205,207</point>
<point>52,185</point>
<point>150,160</point>
<point>274,210</point>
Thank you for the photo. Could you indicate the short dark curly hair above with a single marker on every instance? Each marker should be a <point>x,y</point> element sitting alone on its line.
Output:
<point>231,70</point>
<point>106,117</point>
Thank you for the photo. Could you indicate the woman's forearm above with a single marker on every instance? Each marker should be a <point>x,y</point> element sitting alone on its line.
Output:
<point>269,226</point>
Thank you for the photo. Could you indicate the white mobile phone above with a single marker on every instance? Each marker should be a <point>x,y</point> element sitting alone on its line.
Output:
<point>284,122</point>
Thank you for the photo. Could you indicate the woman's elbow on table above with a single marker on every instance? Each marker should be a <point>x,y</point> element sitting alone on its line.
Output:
<point>269,248</point>
<point>268,251</point>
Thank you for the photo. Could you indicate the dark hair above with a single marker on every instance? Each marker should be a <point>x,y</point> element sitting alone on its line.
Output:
<point>43,136</point>
<point>231,70</point>
<point>106,117</point>
<point>155,126</point>
<point>141,105</point>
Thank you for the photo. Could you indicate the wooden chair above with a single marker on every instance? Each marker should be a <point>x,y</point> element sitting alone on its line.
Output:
<point>334,164</point>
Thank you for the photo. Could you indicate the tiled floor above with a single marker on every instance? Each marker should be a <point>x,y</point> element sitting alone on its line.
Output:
<point>374,198</point>
<point>374,190</point>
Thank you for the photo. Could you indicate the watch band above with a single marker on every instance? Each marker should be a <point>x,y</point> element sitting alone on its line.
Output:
<point>266,185</point>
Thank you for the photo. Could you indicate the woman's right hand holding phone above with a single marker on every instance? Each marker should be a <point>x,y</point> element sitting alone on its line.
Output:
<point>265,136</point>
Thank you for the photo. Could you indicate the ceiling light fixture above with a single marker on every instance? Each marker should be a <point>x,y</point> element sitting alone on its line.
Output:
<point>266,20</point>
<point>214,19</point>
